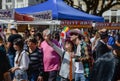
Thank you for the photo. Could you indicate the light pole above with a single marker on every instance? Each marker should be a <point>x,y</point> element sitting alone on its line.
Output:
<point>13,9</point>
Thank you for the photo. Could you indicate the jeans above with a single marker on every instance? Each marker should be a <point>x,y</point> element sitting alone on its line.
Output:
<point>33,76</point>
<point>50,76</point>
<point>80,77</point>
<point>11,59</point>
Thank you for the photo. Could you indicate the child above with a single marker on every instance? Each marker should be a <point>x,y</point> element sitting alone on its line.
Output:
<point>67,67</point>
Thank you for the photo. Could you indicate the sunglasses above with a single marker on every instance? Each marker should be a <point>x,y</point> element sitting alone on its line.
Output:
<point>32,31</point>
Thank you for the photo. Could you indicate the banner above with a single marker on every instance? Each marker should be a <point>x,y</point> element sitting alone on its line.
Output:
<point>107,25</point>
<point>76,24</point>
<point>45,15</point>
<point>6,14</point>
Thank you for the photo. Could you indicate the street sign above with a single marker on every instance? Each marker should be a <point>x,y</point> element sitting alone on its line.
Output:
<point>6,14</point>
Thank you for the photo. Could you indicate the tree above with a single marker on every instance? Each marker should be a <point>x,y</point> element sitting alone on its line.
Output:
<point>96,7</point>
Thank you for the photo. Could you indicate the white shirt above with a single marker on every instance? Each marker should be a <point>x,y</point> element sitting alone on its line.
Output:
<point>79,65</point>
<point>24,60</point>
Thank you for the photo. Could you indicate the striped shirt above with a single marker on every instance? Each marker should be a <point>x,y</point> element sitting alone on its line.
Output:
<point>36,62</point>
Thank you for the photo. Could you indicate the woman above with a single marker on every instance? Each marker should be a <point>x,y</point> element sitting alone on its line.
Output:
<point>39,38</point>
<point>67,66</point>
<point>21,61</point>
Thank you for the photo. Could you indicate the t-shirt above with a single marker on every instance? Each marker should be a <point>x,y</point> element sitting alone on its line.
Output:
<point>11,39</point>
<point>50,58</point>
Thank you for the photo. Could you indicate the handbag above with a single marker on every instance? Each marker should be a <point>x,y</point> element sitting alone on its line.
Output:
<point>19,73</point>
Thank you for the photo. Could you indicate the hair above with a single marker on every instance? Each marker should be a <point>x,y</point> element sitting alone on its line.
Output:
<point>70,42</point>
<point>19,42</point>
<point>33,40</point>
<point>39,35</point>
<point>56,35</point>
<point>14,30</point>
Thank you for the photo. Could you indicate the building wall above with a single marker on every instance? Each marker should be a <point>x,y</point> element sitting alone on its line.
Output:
<point>8,4</point>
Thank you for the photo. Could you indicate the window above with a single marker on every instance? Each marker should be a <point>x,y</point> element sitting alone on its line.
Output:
<point>20,0</point>
<point>113,18</point>
<point>8,0</point>
<point>106,18</point>
<point>119,19</point>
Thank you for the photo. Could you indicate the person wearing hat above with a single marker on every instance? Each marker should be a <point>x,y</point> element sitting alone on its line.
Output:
<point>103,68</point>
<point>102,46</point>
<point>82,68</point>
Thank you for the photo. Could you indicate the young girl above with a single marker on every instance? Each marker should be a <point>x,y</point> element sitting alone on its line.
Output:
<point>21,61</point>
<point>67,67</point>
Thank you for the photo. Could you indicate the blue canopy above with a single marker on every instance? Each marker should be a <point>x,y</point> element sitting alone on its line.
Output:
<point>60,10</point>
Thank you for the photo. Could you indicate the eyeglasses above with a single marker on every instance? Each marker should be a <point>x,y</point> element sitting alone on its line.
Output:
<point>32,31</point>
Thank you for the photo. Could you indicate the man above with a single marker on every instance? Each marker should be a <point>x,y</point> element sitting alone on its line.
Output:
<point>103,68</point>
<point>36,68</point>
<point>51,58</point>
<point>11,51</point>
<point>102,47</point>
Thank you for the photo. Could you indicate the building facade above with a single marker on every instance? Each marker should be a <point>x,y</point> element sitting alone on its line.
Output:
<point>9,4</point>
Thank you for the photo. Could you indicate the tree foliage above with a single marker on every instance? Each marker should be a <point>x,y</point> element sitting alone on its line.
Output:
<point>96,7</point>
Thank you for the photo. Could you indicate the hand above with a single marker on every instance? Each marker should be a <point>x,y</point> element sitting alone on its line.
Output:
<point>13,69</point>
<point>40,78</point>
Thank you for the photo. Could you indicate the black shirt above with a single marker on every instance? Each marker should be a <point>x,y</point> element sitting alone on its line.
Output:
<point>11,39</point>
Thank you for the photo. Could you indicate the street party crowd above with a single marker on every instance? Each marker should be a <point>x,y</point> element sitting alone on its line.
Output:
<point>74,55</point>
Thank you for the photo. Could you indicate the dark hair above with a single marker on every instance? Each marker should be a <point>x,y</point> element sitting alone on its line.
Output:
<point>70,42</point>
<point>39,35</point>
<point>14,30</point>
<point>33,40</point>
<point>56,35</point>
<point>19,42</point>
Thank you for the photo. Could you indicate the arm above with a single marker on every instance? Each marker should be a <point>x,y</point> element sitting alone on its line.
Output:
<point>56,48</point>
<point>25,62</point>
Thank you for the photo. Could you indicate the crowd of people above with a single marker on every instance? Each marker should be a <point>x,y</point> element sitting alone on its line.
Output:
<point>46,56</point>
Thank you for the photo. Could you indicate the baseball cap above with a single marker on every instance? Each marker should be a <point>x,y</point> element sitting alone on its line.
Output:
<point>12,27</point>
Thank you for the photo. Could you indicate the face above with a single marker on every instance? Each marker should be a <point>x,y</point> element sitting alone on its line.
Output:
<point>16,47</point>
<point>31,45</point>
<point>32,32</point>
<point>68,46</point>
<point>46,36</point>
<point>73,37</point>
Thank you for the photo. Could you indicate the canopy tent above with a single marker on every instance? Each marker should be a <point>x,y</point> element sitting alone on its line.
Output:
<point>60,11</point>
